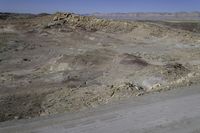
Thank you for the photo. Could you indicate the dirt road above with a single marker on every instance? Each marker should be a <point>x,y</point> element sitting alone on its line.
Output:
<point>175,111</point>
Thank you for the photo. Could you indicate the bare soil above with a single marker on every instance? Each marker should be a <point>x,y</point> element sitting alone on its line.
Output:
<point>64,62</point>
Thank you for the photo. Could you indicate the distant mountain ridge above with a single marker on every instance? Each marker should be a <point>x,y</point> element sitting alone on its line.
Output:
<point>7,15</point>
<point>150,16</point>
<point>119,16</point>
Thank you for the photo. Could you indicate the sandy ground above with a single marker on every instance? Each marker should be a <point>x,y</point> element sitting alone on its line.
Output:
<point>174,111</point>
<point>51,65</point>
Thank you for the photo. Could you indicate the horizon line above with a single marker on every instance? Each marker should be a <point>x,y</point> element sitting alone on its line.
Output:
<point>99,12</point>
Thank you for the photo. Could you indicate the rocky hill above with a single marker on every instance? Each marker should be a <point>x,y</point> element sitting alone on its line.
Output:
<point>89,23</point>
<point>65,62</point>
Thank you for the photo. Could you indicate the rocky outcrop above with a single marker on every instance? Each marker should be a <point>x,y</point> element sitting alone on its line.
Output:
<point>78,22</point>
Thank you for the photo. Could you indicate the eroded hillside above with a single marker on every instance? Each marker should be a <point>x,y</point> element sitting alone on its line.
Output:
<point>66,62</point>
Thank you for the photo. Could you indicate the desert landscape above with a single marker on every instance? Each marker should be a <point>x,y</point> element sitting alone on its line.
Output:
<point>66,62</point>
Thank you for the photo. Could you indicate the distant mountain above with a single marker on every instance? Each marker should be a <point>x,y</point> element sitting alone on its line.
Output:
<point>118,16</point>
<point>5,15</point>
<point>150,16</point>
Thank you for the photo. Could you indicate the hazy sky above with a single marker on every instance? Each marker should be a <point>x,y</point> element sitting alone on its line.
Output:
<point>90,6</point>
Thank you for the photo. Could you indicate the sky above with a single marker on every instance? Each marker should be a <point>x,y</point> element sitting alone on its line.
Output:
<point>102,6</point>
